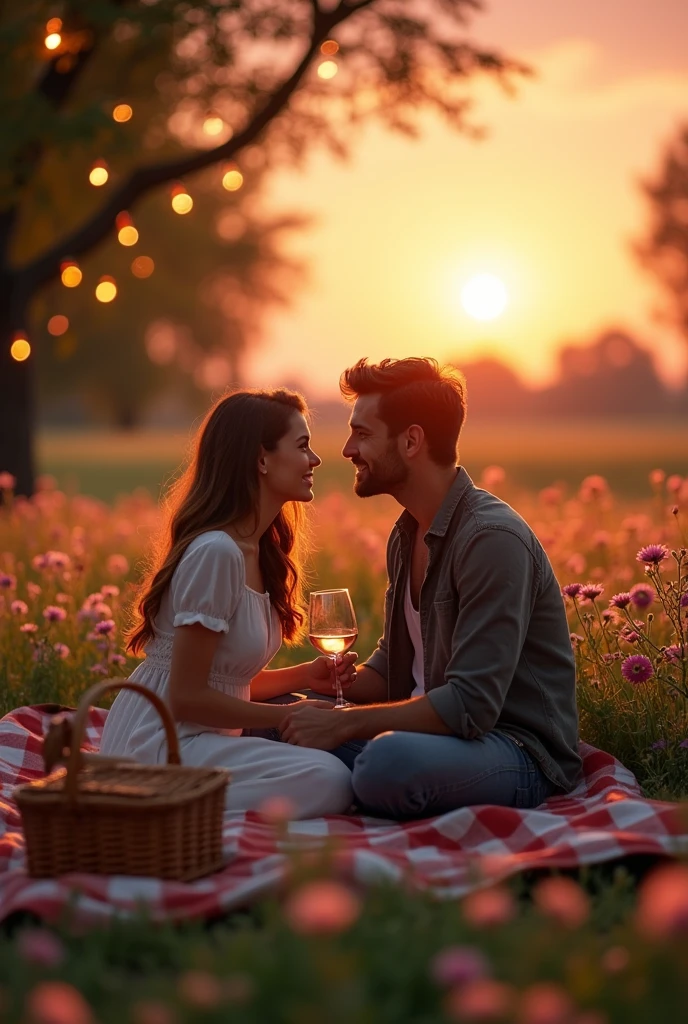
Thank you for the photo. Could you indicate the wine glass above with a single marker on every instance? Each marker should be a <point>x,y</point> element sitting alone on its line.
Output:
<point>332,628</point>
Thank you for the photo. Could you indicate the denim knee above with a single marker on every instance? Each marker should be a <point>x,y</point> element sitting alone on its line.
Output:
<point>382,777</point>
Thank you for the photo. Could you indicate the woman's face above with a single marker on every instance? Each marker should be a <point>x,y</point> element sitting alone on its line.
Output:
<point>287,472</point>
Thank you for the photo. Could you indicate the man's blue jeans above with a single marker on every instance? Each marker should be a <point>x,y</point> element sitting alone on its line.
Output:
<point>417,775</point>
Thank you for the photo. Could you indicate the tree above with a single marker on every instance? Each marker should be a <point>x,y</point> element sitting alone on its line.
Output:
<point>260,72</point>
<point>664,250</point>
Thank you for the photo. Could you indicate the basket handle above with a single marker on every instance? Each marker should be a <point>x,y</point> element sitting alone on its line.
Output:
<point>79,726</point>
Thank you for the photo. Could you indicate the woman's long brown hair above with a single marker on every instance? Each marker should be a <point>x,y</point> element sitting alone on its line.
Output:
<point>220,487</point>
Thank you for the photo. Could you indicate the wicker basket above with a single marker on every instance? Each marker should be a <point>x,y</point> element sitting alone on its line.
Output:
<point>124,818</point>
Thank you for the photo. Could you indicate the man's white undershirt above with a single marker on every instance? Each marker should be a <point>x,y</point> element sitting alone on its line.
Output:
<point>413,626</point>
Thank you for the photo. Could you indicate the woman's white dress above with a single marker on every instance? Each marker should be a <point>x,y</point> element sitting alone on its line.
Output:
<point>209,586</point>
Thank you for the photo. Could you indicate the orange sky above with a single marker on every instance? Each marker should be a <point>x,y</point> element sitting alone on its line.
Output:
<point>548,202</point>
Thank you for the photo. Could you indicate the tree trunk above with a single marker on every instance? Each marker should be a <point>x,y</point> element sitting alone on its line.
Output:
<point>16,392</point>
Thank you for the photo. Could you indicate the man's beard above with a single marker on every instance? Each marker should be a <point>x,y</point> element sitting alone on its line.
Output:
<point>382,476</point>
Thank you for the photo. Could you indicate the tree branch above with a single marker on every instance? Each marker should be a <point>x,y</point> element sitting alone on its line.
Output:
<point>44,268</point>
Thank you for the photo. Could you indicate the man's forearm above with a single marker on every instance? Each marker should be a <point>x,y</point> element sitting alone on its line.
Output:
<point>415,715</point>
<point>369,687</point>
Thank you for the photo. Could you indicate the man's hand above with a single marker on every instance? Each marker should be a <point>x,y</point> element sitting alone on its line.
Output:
<point>321,673</point>
<point>308,725</point>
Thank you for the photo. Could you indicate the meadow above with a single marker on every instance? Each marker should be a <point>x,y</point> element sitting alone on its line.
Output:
<point>591,950</point>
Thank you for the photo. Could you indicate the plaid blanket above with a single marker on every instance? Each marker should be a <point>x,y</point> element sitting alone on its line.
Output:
<point>604,819</point>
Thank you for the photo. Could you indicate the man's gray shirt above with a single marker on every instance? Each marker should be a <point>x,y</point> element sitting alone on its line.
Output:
<point>496,647</point>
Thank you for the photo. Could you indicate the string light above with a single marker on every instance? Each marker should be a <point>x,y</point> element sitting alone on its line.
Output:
<point>329,47</point>
<point>126,232</point>
<point>181,200</point>
<point>57,325</point>
<point>53,40</point>
<point>53,25</point>
<point>71,275</point>
<point>232,179</point>
<point>106,289</point>
<point>98,174</point>
<point>213,125</point>
<point>328,69</point>
<point>142,266</point>
<point>20,348</point>
<point>122,112</point>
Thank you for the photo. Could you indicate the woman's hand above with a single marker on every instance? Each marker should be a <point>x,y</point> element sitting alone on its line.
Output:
<point>321,673</point>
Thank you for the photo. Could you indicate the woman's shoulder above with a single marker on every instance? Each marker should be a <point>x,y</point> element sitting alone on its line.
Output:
<point>214,544</point>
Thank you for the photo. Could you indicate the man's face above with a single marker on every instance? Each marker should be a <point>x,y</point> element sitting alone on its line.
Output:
<point>380,468</point>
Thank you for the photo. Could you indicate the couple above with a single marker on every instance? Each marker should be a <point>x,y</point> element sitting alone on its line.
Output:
<point>469,697</point>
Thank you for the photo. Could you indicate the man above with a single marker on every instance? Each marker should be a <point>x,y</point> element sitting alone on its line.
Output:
<point>470,695</point>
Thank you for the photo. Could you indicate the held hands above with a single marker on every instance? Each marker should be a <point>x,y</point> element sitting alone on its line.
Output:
<point>322,673</point>
<point>315,723</point>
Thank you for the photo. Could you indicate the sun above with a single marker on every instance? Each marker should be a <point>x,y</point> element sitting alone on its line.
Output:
<point>484,297</point>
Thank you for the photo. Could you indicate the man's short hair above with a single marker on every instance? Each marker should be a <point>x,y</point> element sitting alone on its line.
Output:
<point>415,390</point>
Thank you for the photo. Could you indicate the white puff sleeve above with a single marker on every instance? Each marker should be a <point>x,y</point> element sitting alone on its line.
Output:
<point>208,583</point>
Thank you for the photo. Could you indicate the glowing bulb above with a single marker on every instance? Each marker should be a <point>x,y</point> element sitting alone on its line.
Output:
<point>53,40</point>
<point>57,325</point>
<point>71,275</point>
<point>328,69</point>
<point>20,349</point>
<point>106,289</point>
<point>142,266</point>
<point>98,174</point>
<point>213,125</point>
<point>329,47</point>
<point>232,180</point>
<point>128,235</point>
<point>181,201</point>
<point>122,113</point>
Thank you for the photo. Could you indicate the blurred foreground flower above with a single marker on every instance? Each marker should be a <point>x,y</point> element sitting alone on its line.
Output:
<point>488,907</point>
<point>563,900</point>
<point>663,903</point>
<point>200,989</point>
<point>545,1003</point>
<point>57,1002</point>
<point>480,1000</point>
<point>322,908</point>
<point>41,947</point>
<point>457,965</point>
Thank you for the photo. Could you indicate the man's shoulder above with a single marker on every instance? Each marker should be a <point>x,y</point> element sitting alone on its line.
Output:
<point>485,512</point>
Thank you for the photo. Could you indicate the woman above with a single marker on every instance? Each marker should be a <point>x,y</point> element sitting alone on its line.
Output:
<point>222,592</point>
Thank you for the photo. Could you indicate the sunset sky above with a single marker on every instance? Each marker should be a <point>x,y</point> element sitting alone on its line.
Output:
<point>548,203</point>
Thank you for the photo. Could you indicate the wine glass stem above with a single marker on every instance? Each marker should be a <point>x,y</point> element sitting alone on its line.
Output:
<point>340,701</point>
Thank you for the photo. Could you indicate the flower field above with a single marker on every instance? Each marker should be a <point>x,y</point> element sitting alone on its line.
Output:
<point>542,952</point>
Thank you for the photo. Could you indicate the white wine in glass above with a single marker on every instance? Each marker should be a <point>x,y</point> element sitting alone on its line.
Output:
<point>332,628</point>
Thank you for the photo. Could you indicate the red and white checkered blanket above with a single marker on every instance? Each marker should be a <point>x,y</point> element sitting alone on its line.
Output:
<point>605,818</point>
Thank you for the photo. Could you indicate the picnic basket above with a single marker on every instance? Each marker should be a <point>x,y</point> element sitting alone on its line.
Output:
<point>120,817</point>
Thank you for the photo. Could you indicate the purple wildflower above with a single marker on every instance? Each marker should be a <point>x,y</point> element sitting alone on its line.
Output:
<point>53,613</point>
<point>104,627</point>
<point>659,745</point>
<point>19,607</point>
<point>118,659</point>
<point>8,581</point>
<point>99,669</point>
<point>576,640</point>
<point>620,600</point>
<point>684,744</point>
<point>636,669</point>
<point>629,635</point>
<point>642,595</point>
<point>673,653</point>
<point>591,591</point>
<point>653,554</point>
<point>572,589</point>
<point>684,600</point>
<point>457,965</point>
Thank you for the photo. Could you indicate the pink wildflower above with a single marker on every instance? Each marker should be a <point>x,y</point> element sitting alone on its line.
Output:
<point>118,659</point>
<point>53,613</point>
<point>615,960</point>
<point>28,627</point>
<point>7,481</point>
<point>322,908</point>
<point>39,946</point>
<point>630,636</point>
<point>58,1002</point>
<point>33,589</point>
<point>105,627</point>
<point>276,809</point>
<point>99,669</point>
<point>636,669</point>
<point>576,640</point>
<point>591,591</point>
<point>663,903</point>
<point>117,565</point>
<point>110,590</point>
<point>620,600</point>
<point>572,590</point>
<point>642,595</point>
<point>151,1011</point>
<point>657,477</point>
<point>674,483</point>
<point>653,554</point>
<point>63,598</point>
<point>39,561</point>
<point>564,900</point>
<point>593,487</point>
<point>492,476</point>
<point>576,563</point>
<point>488,907</point>
<point>61,650</point>
<point>545,1003</point>
<point>457,965</point>
<point>8,581</point>
<point>673,653</point>
<point>19,608</point>
<point>480,1000</point>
